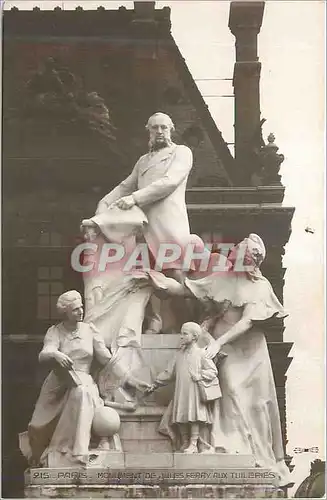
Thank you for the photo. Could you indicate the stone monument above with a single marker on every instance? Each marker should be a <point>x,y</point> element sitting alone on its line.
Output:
<point>214,428</point>
<point>78,131</point>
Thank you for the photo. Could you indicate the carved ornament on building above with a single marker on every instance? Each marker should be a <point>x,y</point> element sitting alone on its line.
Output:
<point>54,96</point>
<point>268,163</point>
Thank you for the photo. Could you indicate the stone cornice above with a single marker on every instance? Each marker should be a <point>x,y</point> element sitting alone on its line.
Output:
<point>79,22</point>
<point>232,210</point>
<point>237,195</point>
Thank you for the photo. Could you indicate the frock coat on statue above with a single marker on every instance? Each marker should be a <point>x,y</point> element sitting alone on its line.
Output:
<point>158,184</point>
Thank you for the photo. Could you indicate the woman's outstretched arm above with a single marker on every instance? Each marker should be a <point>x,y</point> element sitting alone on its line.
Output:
<point>241,327</point>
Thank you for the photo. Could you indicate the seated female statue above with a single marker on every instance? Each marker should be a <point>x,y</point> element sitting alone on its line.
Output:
<point>60,428</point>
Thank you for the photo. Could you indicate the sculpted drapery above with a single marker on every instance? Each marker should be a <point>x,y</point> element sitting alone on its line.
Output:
<point>246,419</point>
<point>62,418</point>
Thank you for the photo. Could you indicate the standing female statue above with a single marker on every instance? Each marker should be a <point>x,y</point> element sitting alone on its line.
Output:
<point>115,302</point>
<point>60,428</point>
<point>247,417</point>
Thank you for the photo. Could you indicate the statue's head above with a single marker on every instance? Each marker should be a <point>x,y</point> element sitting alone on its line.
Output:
<point>70,306</point>
<point>160,127</point>
<point>190,332</point>
<point>250,252</point>
<point>255,250</point>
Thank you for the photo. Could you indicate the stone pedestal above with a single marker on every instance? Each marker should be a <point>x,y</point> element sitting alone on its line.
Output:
<point>157,475</point>
<point>139,431</point>
<point>147,467</point>
<point>142,491</point>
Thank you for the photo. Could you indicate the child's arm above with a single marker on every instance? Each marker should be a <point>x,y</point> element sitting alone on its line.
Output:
<point>164,377</point>
<point>208,369</point>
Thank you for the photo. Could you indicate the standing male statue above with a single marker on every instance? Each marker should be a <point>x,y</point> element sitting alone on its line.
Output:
<point>157,185</point>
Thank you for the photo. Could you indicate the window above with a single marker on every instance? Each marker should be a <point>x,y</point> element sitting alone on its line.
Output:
<point>50,239</point>
<point>49,287</point>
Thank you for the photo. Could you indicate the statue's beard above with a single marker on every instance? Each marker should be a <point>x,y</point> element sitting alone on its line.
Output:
<point>157,145</point>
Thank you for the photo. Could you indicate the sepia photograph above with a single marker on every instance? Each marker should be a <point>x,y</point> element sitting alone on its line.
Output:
<point>163,249</point>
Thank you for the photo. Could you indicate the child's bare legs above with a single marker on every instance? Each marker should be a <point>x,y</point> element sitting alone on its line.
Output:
<point>195,433</point>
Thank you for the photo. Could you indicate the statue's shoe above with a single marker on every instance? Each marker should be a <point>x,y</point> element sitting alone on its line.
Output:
<point>192,448</point>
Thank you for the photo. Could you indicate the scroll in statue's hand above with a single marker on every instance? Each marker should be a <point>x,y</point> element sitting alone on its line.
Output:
<point>63,360</point>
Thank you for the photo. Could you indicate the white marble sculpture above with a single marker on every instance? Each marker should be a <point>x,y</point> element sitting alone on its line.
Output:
<point>60,429</point>
<point>115,302</point>
<point>189,414</point>
<point>157,185</point>
<point>246,419</point>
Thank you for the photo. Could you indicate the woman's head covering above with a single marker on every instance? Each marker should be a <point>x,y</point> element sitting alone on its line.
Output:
<point>68,300</point>
<point>256,248</point>
<point>248,255</point>
<point>255,253</point>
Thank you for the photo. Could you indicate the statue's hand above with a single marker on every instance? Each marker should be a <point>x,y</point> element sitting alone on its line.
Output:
<point>151,388</point>
<point>165,286</point>
<point>126,202</point>
<point>212,349</point>
<point>144,386</point>
<point>63,360</point>
<point>141,276</point>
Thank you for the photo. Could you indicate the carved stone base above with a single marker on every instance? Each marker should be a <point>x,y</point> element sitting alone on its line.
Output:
<point>157,475</point>
<point>139,431</point>
<point>145,491</point>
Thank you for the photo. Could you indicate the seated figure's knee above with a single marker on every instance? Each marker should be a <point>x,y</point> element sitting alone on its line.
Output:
<point>78,393</point>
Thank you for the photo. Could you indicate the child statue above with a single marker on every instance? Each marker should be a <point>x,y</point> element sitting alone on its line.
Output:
<point>196,386</point>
